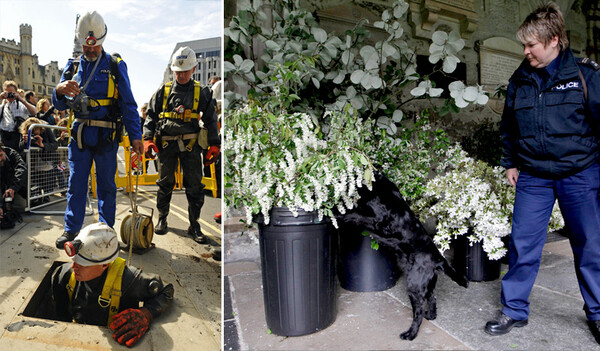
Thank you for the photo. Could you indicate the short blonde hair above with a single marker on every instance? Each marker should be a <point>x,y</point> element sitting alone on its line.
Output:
<point>24,129</point>
<point>63,122</point>
<point>10,83</point>
<point>543,25</point>
<point>41,103</point>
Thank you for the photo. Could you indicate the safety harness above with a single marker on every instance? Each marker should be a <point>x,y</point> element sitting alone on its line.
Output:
<point>186,115</point>
<point>111,292</point>
<point>114,121</point>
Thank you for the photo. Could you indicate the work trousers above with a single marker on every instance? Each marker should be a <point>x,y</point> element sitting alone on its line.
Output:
<point>580,206</point>
<point>80,163</point>
<point>191,166</point>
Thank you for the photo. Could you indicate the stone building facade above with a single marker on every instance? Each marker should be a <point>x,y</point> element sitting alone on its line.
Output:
<point>492,51</point>
<point>18,63</point>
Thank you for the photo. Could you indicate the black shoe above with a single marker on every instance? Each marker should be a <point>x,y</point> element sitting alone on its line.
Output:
<point>196,233</point>
<point>66,236</point>
<point>161,227</point>
<point>595,329</point>
<point>503,325</point>
<point>216,254</point>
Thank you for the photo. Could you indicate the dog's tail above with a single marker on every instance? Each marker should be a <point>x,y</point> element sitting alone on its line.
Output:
<point>460,279</point>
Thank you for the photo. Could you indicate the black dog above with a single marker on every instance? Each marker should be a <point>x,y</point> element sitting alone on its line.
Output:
<point>387,216</point>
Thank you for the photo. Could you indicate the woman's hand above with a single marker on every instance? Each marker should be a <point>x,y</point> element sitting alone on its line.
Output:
<point>512,174</point>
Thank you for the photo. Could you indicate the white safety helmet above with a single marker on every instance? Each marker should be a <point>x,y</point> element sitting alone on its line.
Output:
<point>91,29</point>
<point>96,244</point>
<point>184,59</point>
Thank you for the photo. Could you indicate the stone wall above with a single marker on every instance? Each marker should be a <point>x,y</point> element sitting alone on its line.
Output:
<point>488,27</point>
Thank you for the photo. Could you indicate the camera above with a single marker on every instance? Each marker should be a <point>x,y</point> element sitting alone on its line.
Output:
<point>8,201</point>
<point>11,95</point>
<point>9,216</point>
<point>79,104</point>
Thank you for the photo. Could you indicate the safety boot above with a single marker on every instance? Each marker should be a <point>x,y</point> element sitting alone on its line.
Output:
<point>161,227</point>
<point>66,236</point>
<point>195,232</point>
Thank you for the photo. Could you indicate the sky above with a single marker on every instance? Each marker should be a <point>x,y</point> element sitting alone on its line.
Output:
<point>143,32</point>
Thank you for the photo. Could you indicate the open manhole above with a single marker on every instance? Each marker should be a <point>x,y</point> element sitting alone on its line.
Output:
<point>39,306</point>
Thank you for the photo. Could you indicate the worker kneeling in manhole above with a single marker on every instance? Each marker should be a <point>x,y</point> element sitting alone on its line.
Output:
<point>98,288</point>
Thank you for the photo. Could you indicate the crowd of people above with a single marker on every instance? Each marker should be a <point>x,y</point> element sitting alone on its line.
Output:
<point>178,124</point>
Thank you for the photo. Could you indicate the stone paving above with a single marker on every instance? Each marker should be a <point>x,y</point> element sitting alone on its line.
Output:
<point>369,321</point>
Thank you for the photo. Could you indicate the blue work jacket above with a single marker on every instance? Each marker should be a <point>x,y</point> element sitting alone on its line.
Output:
<point>549,129</point>
<point>101,88</point>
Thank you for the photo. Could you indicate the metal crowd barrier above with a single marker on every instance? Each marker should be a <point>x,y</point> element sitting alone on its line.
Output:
<point>122,180</point>
<point>47,174</point>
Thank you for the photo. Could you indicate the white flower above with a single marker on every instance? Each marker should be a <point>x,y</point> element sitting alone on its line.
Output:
<point>425,87</point>
<point>286,160</point>
<point>464,95</point>
<point>445,47</point>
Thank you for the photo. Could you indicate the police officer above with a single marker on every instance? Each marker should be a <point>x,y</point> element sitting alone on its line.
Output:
<point>550,141</point>
<point>98,288</point>
<point>181,115</point>
<point>96,87</point>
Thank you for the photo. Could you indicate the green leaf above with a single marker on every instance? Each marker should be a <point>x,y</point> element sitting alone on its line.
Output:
<point>374,244</point>
<point>363,160</point>
<point>271,45</point>
<point>319,34</point>
<point>357,76</point>
<point>340,77</point>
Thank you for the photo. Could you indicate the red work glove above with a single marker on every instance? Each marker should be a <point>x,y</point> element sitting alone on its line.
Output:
<point>212,155</point>
<point>135,161</point>
<point>130,325</point>
<point>150,149</point>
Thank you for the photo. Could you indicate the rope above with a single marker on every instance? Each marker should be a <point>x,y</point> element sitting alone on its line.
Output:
<point>142,231</point>
<point>136,230</point>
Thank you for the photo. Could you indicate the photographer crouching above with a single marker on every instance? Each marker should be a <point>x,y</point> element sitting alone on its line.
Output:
<point>13,172</point>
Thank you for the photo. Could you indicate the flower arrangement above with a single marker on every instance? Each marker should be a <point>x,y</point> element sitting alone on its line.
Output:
<point>474,199</point>
<point>279,158</point>
<point>421,150</point>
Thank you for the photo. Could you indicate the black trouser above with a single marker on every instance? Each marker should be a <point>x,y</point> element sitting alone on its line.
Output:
<point>191,166</point>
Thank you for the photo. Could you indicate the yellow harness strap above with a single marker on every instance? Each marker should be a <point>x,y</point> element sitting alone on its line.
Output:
<point>112,92</point>
<point>188,115</point>
<point>180,138</point>
<point>100,102</point>
<point>111,292</point>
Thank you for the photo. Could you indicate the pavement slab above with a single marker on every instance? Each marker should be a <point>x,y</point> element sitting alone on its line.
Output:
<point>193,322</point>
<point>367,321</point>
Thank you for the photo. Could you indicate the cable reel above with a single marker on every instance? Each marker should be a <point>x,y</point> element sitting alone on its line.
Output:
<point>137,229</point>
<point>143,230</point>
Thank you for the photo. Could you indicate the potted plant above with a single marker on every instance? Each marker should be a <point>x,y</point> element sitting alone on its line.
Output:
<point>290,173</point>
<point>334,72</point>
<point>473,204</point>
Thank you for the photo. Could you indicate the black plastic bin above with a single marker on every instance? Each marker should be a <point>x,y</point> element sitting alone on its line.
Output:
<point>361,268</point>
<point>298,272</point>
<point>473,261</point>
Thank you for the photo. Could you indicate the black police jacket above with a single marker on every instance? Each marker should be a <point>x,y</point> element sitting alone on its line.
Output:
<point>14,171</point>
<point>551,131</point>
<point>136,287</point>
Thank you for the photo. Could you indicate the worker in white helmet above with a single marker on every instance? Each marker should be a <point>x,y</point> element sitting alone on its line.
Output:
<point>96,88</point>
<point>182,118</point>
<point>98,288</point>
